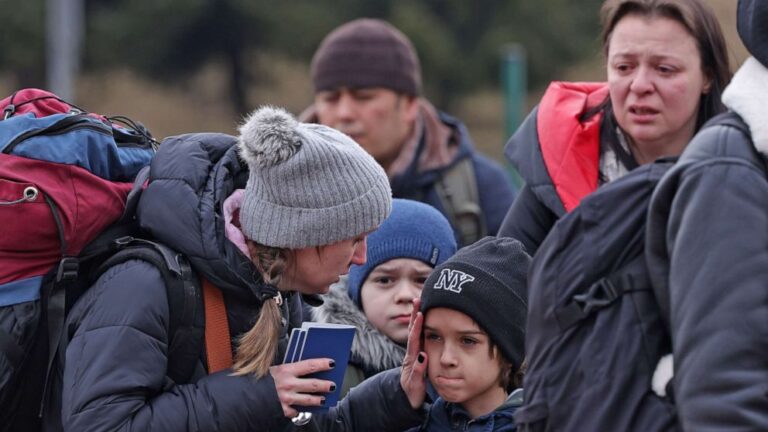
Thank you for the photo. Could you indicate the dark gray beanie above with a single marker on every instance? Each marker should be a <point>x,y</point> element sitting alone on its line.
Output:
<point>366,53</point>
<point>487,281</point>
<point>752,24</point>
<point>309,185</point>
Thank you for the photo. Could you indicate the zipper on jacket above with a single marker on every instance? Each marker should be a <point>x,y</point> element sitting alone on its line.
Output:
<point>67,124</point>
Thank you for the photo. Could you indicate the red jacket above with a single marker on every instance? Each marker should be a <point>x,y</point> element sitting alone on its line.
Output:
<point>557,153</point>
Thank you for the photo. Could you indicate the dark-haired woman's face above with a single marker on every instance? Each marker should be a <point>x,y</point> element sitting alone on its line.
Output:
<point>656,82</point>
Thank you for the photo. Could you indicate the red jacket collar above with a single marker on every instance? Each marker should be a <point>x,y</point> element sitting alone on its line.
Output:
<point>571,148</point>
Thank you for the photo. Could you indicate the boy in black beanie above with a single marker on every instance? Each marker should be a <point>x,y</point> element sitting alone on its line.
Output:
<point>474,308</point>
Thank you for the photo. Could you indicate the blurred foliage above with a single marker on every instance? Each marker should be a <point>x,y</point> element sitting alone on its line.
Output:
<point>459,41</point>
<point>23,41</point>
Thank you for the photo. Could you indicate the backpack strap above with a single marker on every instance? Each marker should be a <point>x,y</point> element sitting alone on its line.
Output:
<point>218,346</point>
<point>632,277</point>
<point>185,302</point>
<point>132,199</point>
<point>114,237</point>
<point>457,190</point>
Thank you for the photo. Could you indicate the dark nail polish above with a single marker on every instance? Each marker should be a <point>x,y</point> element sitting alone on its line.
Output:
<point>333,387</point>
<point>322,401</point>
<point>420,358</point>
<point>332,363</point>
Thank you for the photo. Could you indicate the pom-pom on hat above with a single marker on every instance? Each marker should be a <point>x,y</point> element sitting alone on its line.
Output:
<point>413,230</point>
<point>366,53</point>
<point>309,185</point>
<point>487,281</point>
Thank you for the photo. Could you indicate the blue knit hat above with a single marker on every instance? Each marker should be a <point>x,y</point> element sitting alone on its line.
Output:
<point>413,230</point>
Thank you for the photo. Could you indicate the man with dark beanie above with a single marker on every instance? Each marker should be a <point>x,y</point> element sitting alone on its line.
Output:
<point>707,254</point>
<point>367,82</point>
<point>474,307</point>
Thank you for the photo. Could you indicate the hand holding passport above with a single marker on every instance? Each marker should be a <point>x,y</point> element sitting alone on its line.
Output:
<point>322,340</point>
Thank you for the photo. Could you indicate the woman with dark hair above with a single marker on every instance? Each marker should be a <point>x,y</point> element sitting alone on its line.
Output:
<point>666,66</point>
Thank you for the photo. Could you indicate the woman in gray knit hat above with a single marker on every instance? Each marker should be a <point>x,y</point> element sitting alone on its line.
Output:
<point>282,210</point>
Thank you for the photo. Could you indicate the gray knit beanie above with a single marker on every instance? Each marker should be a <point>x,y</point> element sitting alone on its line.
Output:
<point>309,185</point>
<point>367,53</point>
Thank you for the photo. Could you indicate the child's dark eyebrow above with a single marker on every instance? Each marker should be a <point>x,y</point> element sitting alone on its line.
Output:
<point>464,333</point>
<point>472,332</point>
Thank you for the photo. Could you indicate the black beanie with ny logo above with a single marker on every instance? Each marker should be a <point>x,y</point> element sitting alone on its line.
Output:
<point>487,281</point>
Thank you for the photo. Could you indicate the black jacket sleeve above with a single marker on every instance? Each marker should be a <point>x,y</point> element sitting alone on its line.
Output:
<point>115,364</point>
<point>716,239</point>
<point>528,220</point>
<point>377,404</point>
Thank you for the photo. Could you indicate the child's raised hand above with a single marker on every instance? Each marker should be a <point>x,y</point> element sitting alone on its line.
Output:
<point>415,361</point>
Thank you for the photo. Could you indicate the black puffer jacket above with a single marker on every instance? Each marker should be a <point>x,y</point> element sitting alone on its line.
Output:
<point>707,251</point>
<point>114,375</point>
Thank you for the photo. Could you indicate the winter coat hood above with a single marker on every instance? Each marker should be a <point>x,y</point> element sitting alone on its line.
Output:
<point>747,96</point>
<point>190,177</point>
<point>556,150</point>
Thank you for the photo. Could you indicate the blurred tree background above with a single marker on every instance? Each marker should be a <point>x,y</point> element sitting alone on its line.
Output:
<point>191,65</point>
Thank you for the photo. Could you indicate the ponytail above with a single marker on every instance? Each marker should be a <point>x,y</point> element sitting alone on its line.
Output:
<point>256,348</point>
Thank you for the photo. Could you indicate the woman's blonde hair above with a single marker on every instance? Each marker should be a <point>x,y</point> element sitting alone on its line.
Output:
<point>256,349</point>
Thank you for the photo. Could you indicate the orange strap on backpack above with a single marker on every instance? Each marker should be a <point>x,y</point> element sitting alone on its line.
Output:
<point>218,346</point>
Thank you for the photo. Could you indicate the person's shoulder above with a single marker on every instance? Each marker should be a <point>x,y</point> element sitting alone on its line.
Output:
<point>720,142</point>
<point>137,276</point>
<point>484,163</point>
<point>130,293</point>
<point>127,288</point>
<point>723,136</point>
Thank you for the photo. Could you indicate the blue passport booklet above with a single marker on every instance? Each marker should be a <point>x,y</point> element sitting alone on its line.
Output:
<point>322,340</point>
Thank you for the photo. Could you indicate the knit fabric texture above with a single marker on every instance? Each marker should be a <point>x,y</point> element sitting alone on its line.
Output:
<point>487,281</point>
<point>309,185</point>
<point>752,24</point>
<point>366,53</point>
<point>413,230</point>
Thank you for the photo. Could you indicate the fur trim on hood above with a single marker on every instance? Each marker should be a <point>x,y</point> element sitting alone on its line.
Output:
<point>747,96</point>
<point>371,350</point>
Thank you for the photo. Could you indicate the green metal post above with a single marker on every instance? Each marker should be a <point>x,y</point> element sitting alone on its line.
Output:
<point>514,84</point>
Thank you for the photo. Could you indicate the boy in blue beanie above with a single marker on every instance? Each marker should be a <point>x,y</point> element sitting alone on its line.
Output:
<point>377,297</point>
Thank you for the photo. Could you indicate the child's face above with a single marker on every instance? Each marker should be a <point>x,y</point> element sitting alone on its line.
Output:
<point>388,292</point>
<point>461,366</point>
